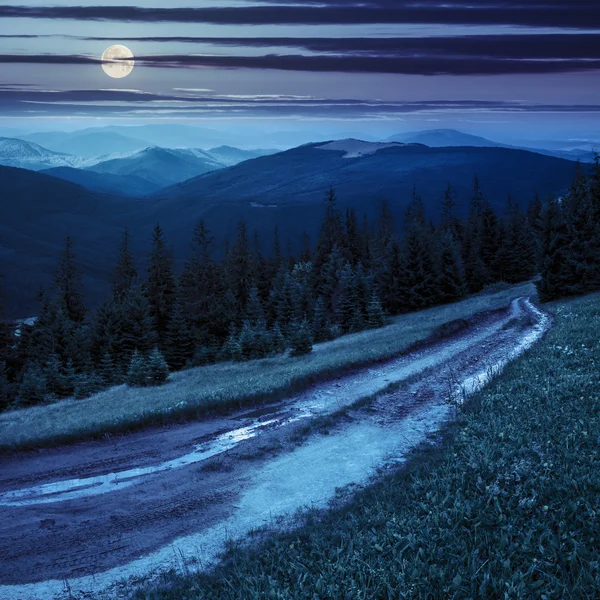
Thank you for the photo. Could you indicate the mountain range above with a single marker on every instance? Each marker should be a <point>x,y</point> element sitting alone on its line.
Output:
<point>285,189</point>
<point>136,173</point>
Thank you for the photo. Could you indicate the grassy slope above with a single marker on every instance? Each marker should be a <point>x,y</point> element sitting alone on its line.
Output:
<point>225,385</point>
<point>507,507</point>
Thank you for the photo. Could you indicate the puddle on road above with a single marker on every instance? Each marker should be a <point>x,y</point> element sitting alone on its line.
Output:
<point>101,484</point>
<point>325,398</point>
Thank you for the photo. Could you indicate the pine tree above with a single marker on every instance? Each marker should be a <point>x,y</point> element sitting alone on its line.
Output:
<point>158,370</point>
<point>278,339</point>
<point>321,325</point>
<point>107,330</point>
<point>32,389</point>
<point>180,347</point>
<point>138,328</point>
<point>555,280</point>
<point>451,279</point>
<point>87,384</point>
<point>125,274</point>
<point>138,374</point>
<point>5,387</point>
<point>352,238</point>
<point>305,251</point>
<point>106,370</point>
<point>329,287</point>
<point>347,304</point>
<point>240,267</point>
<point>160,285</point>
<point>517,254</point>
<point>419,276</point>
<point>449,221</point>
<point>583,257</point>
<point>254,309</point>
<point>375,314</point>
<point>67,281</point>
<point>330,235</point>
<point>302,340</point>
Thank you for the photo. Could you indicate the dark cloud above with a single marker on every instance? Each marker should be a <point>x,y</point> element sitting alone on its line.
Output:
<point>539,46</point>
<point>487,12</point>
<point>432,64</point>
<point>129,102</point>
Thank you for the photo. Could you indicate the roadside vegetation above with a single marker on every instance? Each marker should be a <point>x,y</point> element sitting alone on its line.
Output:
<point>504,505</point>
<point>228,385</point>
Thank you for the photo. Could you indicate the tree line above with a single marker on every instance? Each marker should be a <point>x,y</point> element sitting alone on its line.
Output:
<point>250,305</point>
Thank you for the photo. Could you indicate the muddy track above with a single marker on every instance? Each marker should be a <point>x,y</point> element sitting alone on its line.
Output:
<point>91,513</point>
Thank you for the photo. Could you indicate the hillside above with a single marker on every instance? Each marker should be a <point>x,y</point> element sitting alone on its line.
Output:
<point>129,185</point>
<point>288,188</point>
<point>38,213</point>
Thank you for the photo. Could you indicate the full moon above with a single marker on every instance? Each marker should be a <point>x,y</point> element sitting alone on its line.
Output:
<point>117,61</point>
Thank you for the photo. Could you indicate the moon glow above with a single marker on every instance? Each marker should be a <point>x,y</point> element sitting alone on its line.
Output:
<point>117,61</point>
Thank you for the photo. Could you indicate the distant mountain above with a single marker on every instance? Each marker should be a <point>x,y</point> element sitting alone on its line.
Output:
<point>160,166</point>
<point>129,185</point>
<point>228,155</point>
<point>86,142</point>
<point>439,138</point>
<point>287,189</point>
<point>28,155</point>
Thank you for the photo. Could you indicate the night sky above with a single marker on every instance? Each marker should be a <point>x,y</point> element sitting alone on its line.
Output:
<point>509,68</point>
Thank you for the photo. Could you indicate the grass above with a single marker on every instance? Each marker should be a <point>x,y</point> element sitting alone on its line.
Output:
<point>507,505</point>
<point>224,386</point>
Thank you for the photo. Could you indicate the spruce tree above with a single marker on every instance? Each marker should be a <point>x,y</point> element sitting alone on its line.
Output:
<point>138,373</point>
<point>330,234</point>
<point>32,388</point>
<point>451,279</point>
<point>138,331</point>
<point>125,274</point>
<point>517,255</point>
<point>67,281</point>
<point>5,387</point>
<point>158,370</point>
<point>321,325</point>
<point>555,280</point>
<point>254,309</point>
<point>375,313</point>
<point>240,268</point>
<point>583,257</point>
<point>106,370</point>
<point>180,347</point>
<point>419,276</point>
<point>302,342</point>
<point>160,285</point>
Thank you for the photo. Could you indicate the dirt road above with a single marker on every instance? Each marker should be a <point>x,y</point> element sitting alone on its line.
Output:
<point>81,517</point>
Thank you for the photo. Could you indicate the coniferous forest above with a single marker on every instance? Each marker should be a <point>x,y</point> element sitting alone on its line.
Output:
<point>252,304</point>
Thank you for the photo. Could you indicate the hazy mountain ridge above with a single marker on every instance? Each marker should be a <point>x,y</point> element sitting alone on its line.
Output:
<point>284,189</point>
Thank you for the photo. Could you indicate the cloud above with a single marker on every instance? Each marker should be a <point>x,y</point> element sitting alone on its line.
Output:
<point>432,64</point>
<point>131,102</point>
<point>549,13</point>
